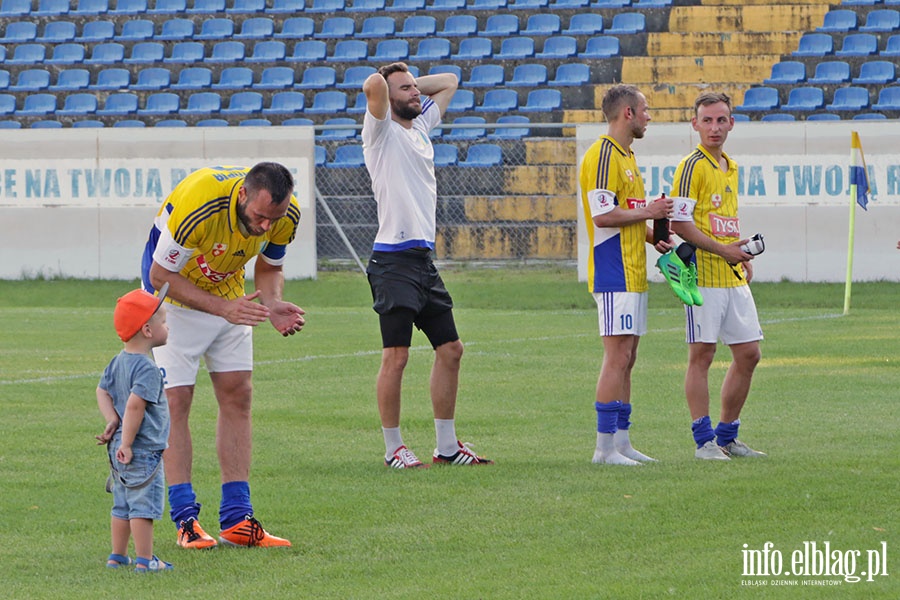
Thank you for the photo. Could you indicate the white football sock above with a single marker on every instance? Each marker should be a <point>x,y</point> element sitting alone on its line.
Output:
<point>392,440</point>
<point>624,447</point>
<point>447,442</point>
<point>606,452</point>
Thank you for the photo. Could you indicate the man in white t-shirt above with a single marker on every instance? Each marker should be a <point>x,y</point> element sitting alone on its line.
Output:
<point>406,287</point>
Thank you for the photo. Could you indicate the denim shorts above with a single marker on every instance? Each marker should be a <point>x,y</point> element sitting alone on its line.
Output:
<point>138,488</point>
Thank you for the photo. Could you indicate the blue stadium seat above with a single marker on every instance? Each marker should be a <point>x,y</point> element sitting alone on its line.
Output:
<point>168,7</point>
<point>892,46</point>
<point>211,123</point>
<point>38,105</point>
<point>528,4</point>
<point>310,51</point>
<point>542,100</point>
<point>275,78</point>
<point>227,52</point>
<point>31,80</point>
<point>502,25</point>
<point>48,124</point>
<point>560,46</point>
<point>341,131</point>
<point>176,29</point>
<point>852,98</point>
<point>256,122</point>
<point>90,7</point>
<point>601,46</point>
<point>215,28</point>
<point>234,78</point>
<point>516,48</point>
<point>97,31</point>
<point>291,7</point>
<point>207,7</point>
<point>366,6</point>
<point>759,99</point>
<point>78,104</point>
<point>459,26</point>
<point>88,124</point>
<point>585,24</point>
<point>285,103</point>
<point>821,117</point>
<point>107,53</point>
<point>130,123</point>
<point>447,5</point>
<point>256,28</point>
<point>269,51</point>
<point>610,3</point>
<point>445,155</point>
<point>244,103</point>
<point>571,74</point>
<point>466,133</point>
<point>888,99</point>
<point>146,53</point>
<point>483,155</point>
<point>153,79</point>
<point>9,124</point>
<point>185,52</point>
<point>359,105</point>
<point>129,7</point>
<point>487,75</point>
<point>70,80</point>
<point>355,76</point>
<point>492,5</point>
<point>347,51</point>
<point>246,7</point>
<point>806,98</point>
<point>528,75</point>
<point>462,101</point>
<point>419,26</point>
<point>171,123</point>
<point>511,133</point>
<point>18,32</point>
<point>569,4</point>
<point>787,72</point>
<point>193,78</point>
<point>876,72</point>
<point>320,154</point>
<point>651,3</point>
<point>326,6</point>
<point>136,30</point>
<point>456,70</point>
<point>347,157</point>
<point>627,23</point>
<point>111,79</point>
<point>67,54</point>
<point>389,51</point>
<point>57,32</point>
<point>336,28</point>
<point>51,8</point>
<point>778,117</point>
<point>542,24</point>
<point>831,71</point>
<point>377,27</point>
<point>405,5</point>
<point>27,54</point>
<point>432,49</point>
<point>297,28</point>
<point>814,44</point>
<point>7,106</point>
<point>858,44</point>
<point>499,101</point>
<point>838,20</point>
<point>15,8</point>
<point>881,20</point>
<point>317,78</point>
<point>161,103</point>
<point>327,102</point>
<point>4,79</point>
<point>473,49</point>
<point>869,117</point>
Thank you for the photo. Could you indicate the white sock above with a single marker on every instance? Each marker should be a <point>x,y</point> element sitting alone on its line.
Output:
<point>392,440</point>
<point>447,442</point>
<point>624,447</point>
<point>606,452</point>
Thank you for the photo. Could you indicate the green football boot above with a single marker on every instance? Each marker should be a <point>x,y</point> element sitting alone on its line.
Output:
<point>690,283</point>
<point>677,274</point>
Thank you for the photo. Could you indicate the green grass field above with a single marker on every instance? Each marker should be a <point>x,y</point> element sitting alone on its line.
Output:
<point>542,523</point>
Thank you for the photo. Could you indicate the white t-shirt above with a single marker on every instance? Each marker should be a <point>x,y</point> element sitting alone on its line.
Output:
<point>401,164</point>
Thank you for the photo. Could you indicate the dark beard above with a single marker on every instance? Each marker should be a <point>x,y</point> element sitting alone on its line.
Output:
<point>407,112</point>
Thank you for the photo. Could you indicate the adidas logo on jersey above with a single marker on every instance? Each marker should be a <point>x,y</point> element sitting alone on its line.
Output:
<point>239,253</point>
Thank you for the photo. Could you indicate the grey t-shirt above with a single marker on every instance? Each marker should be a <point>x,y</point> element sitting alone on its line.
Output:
<point>127,373</point>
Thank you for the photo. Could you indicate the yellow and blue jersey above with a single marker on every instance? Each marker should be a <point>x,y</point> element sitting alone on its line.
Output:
<point>197,233</point>
<point>699,177</point>
<point>618,260</point>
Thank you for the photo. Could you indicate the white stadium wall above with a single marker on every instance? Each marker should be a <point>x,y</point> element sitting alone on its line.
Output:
<point>80,202</point>
<point>794,190</point>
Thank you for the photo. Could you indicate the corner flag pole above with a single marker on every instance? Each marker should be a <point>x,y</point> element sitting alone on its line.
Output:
<point>849,281</point>
<point>859,190</point>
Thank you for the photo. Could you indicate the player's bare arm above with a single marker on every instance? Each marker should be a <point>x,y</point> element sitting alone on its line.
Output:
<point>108,410</point>
<point>439,87</point>
<point>619,217</point>
<point>286,318</point>
<point>732,253</point>
<point>376,90</point>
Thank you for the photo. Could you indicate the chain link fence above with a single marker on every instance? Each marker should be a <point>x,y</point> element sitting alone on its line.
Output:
<point>509,210</point>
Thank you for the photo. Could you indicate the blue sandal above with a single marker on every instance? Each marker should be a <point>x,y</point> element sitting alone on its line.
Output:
<point>117,560</point>
<point>152,565</point>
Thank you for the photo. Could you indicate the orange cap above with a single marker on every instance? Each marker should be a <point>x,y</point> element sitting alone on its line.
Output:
<point>134,309</point>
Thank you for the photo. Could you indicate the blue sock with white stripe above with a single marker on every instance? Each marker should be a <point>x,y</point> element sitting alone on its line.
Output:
<point>183,503</point>
<point>703,431</point>
<point>607,416</point>
<point>727,432</point>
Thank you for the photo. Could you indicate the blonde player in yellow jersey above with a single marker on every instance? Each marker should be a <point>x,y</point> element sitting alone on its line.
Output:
<point>212,223</point>
<point>612,196</point>
<point>706,215</point>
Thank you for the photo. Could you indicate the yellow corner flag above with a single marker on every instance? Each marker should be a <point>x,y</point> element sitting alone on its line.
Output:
<point>859,194</point>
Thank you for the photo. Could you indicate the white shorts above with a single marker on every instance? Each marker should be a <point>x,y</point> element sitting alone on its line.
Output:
<point>727,314</point>
<point>622,313</point>
<point>192,334</point>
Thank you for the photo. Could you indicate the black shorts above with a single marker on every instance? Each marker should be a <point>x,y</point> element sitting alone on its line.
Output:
<point>407,290</point>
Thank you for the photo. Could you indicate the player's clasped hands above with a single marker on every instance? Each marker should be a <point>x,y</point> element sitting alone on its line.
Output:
<point>244,311</point>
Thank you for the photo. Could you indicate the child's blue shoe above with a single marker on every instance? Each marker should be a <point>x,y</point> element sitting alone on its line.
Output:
<point>152,565</point>
<point>117,560</point>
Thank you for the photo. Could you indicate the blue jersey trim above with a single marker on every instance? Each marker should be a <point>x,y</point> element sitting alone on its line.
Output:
<point>381,247</point>
<point>147,258</point>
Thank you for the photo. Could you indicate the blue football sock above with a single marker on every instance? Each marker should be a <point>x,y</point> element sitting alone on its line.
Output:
<point>703,431</point>
<point>607,416</point>
<point>183,503</point>
<point>624,422</point>
<point>236,504</point>
<point>727,432</point>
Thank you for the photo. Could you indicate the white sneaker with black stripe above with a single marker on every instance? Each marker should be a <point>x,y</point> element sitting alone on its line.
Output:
<point>464,456</point>
<point>403,458</point>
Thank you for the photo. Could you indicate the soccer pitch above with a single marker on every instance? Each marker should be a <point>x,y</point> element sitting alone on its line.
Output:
<point>543,522</point>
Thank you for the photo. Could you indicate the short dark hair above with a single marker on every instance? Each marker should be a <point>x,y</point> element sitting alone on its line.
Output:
<point>617,96</point>
<point>272,177</point>
<point>388,70</point>
<point>707,98</point>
